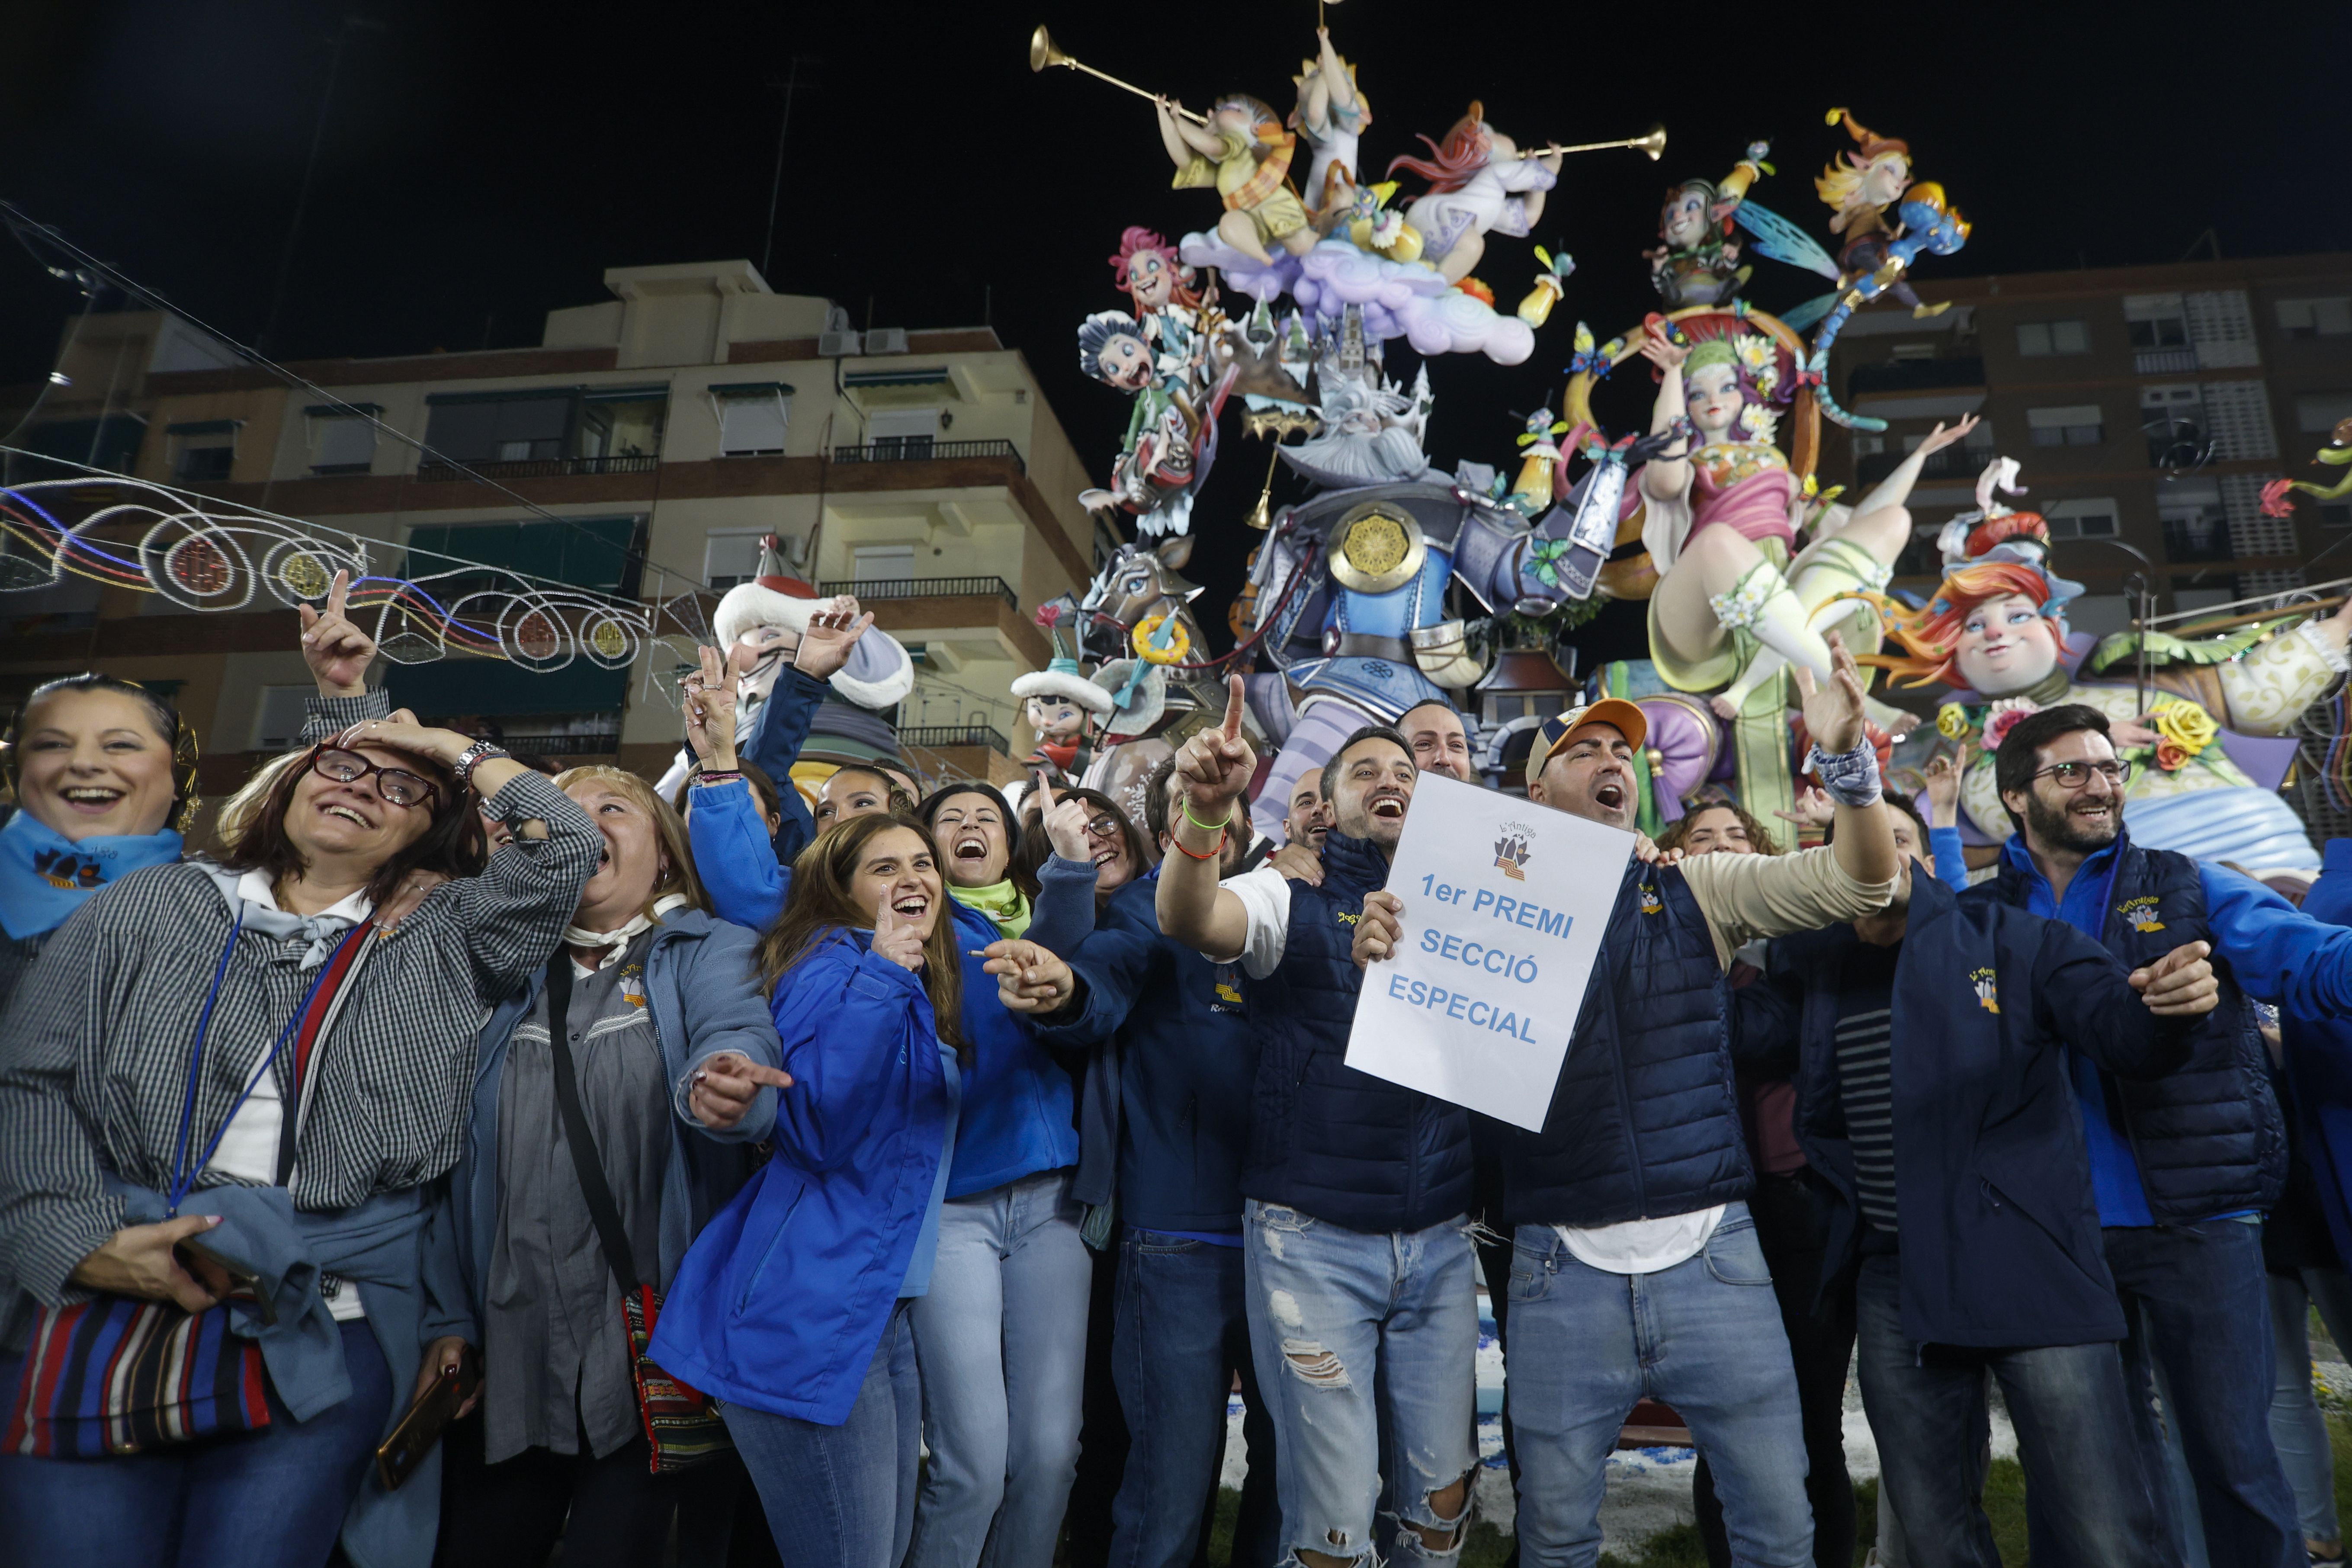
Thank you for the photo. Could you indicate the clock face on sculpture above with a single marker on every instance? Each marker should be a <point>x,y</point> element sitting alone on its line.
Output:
<point>1376,548</point>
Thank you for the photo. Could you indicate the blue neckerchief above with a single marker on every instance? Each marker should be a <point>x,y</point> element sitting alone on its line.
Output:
<point>45,876</point>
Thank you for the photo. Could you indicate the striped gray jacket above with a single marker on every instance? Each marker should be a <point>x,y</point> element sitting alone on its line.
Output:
<point>94,1052</point>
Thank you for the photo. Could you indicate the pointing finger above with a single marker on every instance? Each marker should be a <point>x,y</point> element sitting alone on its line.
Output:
<point>1235,695</point>
<point>338,592</point>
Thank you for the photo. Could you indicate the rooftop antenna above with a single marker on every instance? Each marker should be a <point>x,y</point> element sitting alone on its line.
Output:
<point>776,180</point>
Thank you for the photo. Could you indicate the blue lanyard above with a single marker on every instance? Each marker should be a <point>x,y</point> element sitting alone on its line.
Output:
<point>183,1176</point>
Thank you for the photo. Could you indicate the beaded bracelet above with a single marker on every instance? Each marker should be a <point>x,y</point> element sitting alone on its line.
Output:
<point>711,775</point>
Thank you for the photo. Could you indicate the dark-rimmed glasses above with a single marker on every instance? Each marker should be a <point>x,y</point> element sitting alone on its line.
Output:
<point>397,786</point>
<point>2072,776</point>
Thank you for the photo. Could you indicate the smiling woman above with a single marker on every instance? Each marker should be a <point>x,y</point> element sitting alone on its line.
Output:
<point>103,772</point>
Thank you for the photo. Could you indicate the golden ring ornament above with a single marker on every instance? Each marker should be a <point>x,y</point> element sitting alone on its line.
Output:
<point>1376,548</point>
<point>1179,641</point>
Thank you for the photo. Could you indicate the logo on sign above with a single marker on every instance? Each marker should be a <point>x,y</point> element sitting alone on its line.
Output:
<point>1511,852</point>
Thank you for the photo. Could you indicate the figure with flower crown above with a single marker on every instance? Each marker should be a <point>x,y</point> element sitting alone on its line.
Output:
<point>2213,711</point>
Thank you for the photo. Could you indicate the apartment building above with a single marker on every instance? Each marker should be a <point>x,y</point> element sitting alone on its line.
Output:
<point>668,427</point>
<point>2147,404</point>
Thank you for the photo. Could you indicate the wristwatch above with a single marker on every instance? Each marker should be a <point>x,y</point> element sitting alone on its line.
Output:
<point>473,757</point>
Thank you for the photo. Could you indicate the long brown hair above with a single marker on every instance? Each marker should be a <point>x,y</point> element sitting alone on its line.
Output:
<point>820,904</point>
<point>252,827</point>
<point>680,878</point>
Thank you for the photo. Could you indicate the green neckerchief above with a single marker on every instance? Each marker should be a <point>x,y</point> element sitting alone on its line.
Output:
<point>1002,902</point>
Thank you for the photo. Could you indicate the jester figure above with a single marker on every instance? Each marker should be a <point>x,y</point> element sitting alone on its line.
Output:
<point>1996,633</point>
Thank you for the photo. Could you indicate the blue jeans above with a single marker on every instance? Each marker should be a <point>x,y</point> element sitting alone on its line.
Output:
<point>841,1497</point>
<point>2200,1292</point>
<point>2296,1426</point>
<point>1377,1338</point>
<point>2072,1412</point>
<point>271,1499</point>
<point>1002,1342</point>
<point>1180,1334</point>
<point>1704,1336</point>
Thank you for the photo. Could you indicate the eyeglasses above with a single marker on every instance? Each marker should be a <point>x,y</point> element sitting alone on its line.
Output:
<point>2072,776</point>
<point>1104,826</point>
<point>397,785</point>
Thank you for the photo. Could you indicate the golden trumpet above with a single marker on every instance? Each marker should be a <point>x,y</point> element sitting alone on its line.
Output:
<point>1653,144</point>
<point>1044,52</point>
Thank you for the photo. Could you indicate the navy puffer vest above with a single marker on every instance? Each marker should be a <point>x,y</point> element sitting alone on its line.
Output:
<point>1644,1123</point>
<point>2210,1138</point>
<point>1348,1148</point>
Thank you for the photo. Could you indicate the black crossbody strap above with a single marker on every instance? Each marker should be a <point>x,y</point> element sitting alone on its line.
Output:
<point>585,1159</point>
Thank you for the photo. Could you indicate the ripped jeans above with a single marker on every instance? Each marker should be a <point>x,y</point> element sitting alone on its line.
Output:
<point>1333,1312</point>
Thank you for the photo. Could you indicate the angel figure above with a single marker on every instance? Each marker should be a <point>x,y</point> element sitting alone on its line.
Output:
<point>1721,521</point>
<point>1478,185</point>
<point>1331,119</point>
<point>1243,152</point>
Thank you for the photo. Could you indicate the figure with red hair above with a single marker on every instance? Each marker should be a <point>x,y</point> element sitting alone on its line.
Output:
<point>1478,185</point>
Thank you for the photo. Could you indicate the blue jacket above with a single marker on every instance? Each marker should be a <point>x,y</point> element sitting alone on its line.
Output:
<point>1328,1139</point>
<point>1999,1237</point>
<point>734,856</point>
<point>782,1300</point>
<point>2318,1063</point>
<point>778,732</point>
<point>1015,1120</point>
<point>2208,1140</point>
<point>703,990</point>
<point>1179,1071</point>
<point>1644,1121</point>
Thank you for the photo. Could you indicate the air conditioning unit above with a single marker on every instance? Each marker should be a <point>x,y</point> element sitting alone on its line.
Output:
<point>885,341</point>
<point>837,345</point>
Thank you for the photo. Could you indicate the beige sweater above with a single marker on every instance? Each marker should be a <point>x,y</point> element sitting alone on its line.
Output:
<point>1745,897</point>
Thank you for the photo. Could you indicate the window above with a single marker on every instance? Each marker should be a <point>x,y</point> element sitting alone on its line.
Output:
<point>2195,521</point>
<point>752,418</point>
<point>278,717</point>
<point>2335,514</point>
<point>599,554</point>
<point>342,442</point>
<point>2038,340</point>
<point>203,452</point>
<point>730,556</point>
<point>2077,424</point>
<point>2326,318</point>
<point>2094,519</point>
<point>884,563</point>
<point>624,422</point>
<point>581,429</point>
<point>2173,419</point>
<point>2318,413</point>
<point>906,433</point>
<point>1869,446</point>
<point>1907,354</point>
<point>2158,328</point>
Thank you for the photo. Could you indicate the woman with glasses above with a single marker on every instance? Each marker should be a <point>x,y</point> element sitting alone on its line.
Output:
<point>226,1093</point>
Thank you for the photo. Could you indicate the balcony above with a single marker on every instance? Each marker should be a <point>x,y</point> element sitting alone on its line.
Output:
<point>430,472</point>
<point>939,737</point>
<point>2188,540</point>
<point>1952,463</point>
<point>918,450</point>
<point>925,588</point>
<point>2163,361</point>
<point>1913,375</point>
<point>591,744</point>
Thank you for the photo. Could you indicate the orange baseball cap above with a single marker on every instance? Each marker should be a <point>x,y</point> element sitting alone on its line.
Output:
<point>1558,729</point>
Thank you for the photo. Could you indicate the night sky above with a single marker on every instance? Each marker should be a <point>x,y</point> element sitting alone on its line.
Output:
<point>483,162</point>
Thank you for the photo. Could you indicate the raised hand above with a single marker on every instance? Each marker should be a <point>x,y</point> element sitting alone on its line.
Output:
<point>1216,765</point>
<point>1812,808</point>
<point>725,1086</point>
<point>1833,713</point>
<point>1065,820</point>
<point>1662,351</point>
<point>1938,438</point>
<point>901,944</point>
<point>710,701</point>
<point>1944,774</point>
<point>1029,979</point>
<point>2180,984</point>
<point>832,634</point>
<point>338,652</point>
<point>1379,928</point>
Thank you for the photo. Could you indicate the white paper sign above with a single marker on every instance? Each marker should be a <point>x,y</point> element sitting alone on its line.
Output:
<point>1504,905</point>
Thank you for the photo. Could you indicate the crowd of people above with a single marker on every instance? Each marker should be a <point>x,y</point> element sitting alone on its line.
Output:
<point>874,1168</point>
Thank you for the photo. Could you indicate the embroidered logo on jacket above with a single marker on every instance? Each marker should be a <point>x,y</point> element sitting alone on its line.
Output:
<point>1988,989</point>
<point>2141,913</point>
<point>1650,903</point>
